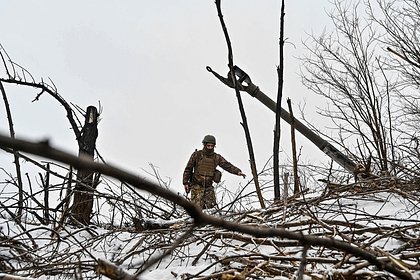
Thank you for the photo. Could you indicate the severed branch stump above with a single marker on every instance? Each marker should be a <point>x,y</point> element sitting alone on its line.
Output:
<point>85,186</point>
<point>112,271</point>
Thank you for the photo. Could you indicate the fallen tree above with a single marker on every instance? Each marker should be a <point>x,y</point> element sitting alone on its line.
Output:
<point>310,232</point>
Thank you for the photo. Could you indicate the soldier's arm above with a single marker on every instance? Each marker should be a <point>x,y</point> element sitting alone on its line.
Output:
<point>229,167</point>
<point>188,169</point>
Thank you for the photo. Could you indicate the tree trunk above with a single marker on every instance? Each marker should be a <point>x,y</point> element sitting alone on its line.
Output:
<point>85,186</point>
<point>296,188</point>
<point>277,129</point>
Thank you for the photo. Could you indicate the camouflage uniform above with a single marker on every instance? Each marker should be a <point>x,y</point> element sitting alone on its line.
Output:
<point>199,174</point>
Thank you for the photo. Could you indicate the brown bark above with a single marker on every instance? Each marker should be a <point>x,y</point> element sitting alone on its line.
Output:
<point>85,186</point>
<point>112,271</point>
<point>296,188</point>
<point>244,123</point>
<point>277,129</point>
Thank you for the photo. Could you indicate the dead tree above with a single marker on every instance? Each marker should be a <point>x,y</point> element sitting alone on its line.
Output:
<point>296,188</point>
<point>345,68</point>
<point>19,76</point>
<point>85,186</point>
<point>15,154</point>
<point>398,20</point>
<point>277,129</point>
<point>236,84</point>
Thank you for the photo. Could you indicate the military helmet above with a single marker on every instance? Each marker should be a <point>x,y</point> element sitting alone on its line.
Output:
<point>209,139</point>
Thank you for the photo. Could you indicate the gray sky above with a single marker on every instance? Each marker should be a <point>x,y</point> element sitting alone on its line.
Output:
<point>144,62</point>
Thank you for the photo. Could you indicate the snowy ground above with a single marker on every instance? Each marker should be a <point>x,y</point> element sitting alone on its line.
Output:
<point>380,216</point>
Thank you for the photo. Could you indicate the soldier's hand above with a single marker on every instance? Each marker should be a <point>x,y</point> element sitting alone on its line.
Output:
<point>187,188</point>
<point>242,174</point>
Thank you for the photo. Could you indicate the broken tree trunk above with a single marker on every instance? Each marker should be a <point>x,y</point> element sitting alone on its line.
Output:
<point>85,186</point>
<point>296,188</point>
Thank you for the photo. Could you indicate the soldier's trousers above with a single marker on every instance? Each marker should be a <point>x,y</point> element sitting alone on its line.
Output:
<point>205,197</point>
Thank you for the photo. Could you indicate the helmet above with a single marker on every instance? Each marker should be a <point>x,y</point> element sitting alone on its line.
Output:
<point>209,139</point>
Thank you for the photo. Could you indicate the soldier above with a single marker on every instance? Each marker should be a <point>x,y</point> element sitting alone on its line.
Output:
<point>201,172</point>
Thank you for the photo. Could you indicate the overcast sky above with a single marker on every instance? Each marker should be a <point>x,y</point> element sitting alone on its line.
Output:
<point>144,63</point>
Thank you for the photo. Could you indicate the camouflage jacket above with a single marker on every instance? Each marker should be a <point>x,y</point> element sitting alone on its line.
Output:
<point>189,171</point>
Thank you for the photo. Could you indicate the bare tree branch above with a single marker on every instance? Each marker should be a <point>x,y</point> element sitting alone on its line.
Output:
<point>244,123</point>
<point>200,218</point>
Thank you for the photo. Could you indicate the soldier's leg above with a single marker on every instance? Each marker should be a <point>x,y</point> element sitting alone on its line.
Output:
<point>209,198</point>
<point>197,193</point>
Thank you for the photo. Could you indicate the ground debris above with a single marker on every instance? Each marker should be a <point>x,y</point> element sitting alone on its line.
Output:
<point>379,215</point>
